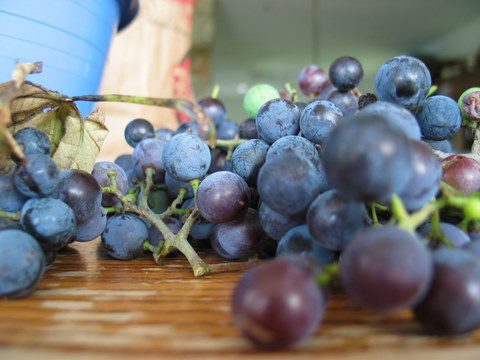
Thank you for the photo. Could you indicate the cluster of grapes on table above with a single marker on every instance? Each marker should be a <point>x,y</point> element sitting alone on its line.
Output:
<point>362,192</point>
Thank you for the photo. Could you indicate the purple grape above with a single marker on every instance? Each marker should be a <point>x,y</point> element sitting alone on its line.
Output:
<point>278,303</point>
<point>241,238</point>
<point>313,80</point>
<point>276,224</point>
<point>456,236</point>
<point>345,73</point>
<point>93,227</point>
<point>100,173</point>
<point>347,102</point>
<point>223,196</point>
<point>318,119</point>
<point>148,154</point>
<point>386,269</point>
<point>248,129</point>
<point>219,162</point>
<point>138,130</point>
<point>215,109</point>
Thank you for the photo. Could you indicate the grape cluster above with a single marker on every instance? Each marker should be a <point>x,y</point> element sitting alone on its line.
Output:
<point>343,188</point>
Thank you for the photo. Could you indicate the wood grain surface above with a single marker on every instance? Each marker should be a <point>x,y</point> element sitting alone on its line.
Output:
<point>91,307</point>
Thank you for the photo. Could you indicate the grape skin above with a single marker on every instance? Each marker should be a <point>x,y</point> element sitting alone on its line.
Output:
<point>347,102</point>
<point>296,145</point>
<point>148,154</point>
<point>318,119</point>
<point>386,269</point>
<point>33,141</point>
<point>138,130</point>
<point>276,224</point>
<point>439,118</point>
<point>248,158</point>
<point>38,177</point>
<point>100,173</point>
<point>345,73</point>
<point>11,200</point>
<point>277,118</point>
<point>93,227</point>
<point>248,129</point>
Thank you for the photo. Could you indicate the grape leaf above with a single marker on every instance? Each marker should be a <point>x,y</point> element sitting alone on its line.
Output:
<point>75,141</point>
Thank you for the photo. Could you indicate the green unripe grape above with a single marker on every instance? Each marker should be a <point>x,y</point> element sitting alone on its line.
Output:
<point>256,96</point>
<point>461,105</point>
<point>472,209</point>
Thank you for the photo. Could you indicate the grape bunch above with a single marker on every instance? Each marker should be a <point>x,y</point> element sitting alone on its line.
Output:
<point>361,192</point>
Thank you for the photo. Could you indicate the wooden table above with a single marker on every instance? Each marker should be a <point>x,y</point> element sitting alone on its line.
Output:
<point>91,307</point>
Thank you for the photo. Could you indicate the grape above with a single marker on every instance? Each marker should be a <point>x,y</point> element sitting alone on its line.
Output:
<point>50,221</point>
<point>214,109</point>
<point>190,127</point>
<point>158,201</point>
<point>347,102</point>
<point>397,116</point>
<point>276,224</point>
<point>138,130</point>
<point>386,269</point>
<point>452,304</point>
<point>366,159</point>
<point>462,173</point>
<point>79,190</point>
<point>256,96</point>
<point>278,303</point>
<point>298,241</point>
<point>248,158</point>
<point>227,130</point>
<point>277,118</point>
<point>345,73</point>
<point>333,220</point>
<point>473,247</point>
<point>22,264</point>
<point>38,177</point>
<point>457,237</point>
<point>403,80</point>
<point>164,134</point>
<point>219,162</point>
<point>50,257</point>
<point>312,80</point>
<point>124,236</point>
<point>148,154</point>
<point>93,227</point>
<point>100,173</point>
<point>241,238</point>
<point>174,186</point>
<point>441,145</point>
<point>125,162</point>
<point>201,230</point>
<point>248,129</point>
<point>155,236</point>
<point>439,118</point>
<point>293,145</point>
<point>223,196</point>
<point>33,141</point>
<point>318,119</point>
<point>11,200</point>
<point>288,184</point>
<point>426,176</point>
<point>186,157</point>
<point>468,103</point>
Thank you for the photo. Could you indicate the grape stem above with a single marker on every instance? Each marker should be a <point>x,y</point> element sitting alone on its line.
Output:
<point>173,208</point>
<point>410,222</point>
<point>330,273</point>
<point>229,143</point>
<point>171,240</point>
<point>475,150</point>
<point>10,215</point>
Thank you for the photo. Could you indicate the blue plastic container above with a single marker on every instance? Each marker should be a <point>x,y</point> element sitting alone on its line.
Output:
<point>70,37</point>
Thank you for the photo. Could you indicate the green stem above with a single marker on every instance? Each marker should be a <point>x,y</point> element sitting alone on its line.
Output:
<point>195,184</point>
<point>329,274</point>
<point>146,188</point>
<point>173,208</point>
<point>113,210</point>
<point>398,209</point>
<point>437,232</point>
<point>215,91</point>
<point>373,210</point>
<point>10,215</point>
<point>228,143</point>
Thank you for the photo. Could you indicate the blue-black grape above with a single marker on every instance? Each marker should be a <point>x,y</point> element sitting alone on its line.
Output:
<point>333,220</point>
<point>345,73</point>
<point>403,80</point>
<point>276,224</point>
<point>227,130</point>
<point>288,184</point>
<point>366,159</point>
<point>248,158</point>
<point>293,145</point>
<point>79,190</point>
<point>164,134</point>
<point>100,173</point>
<point>125,162</point>
<point>441,145</point>
<point>397,116</point>
<point>33,141</point>
<point>186,157</point>
<point>50,221</point>
<point>124,236</point>
<point>298,241</point>
<point>248,129</point>
<point>474,246</point>
<point>456,236</point>
<point>278,303</point>
<point>347,102</point>
<point>174,186</point>
<point>138,130</point>
<point>190,127</point>
<point>38,177</point>
<point>277,118</point>
<point>439,118</point>
<point>426,176</point>
<point>93,227</point>
<point>452,304</point>
<point>11,200</point>
<point>386,269</point>
<point>223,196</point>
<point>22,263</point>
<point>219,162</point>
<point>215,109</point>
<point>239,239</point>
<point>148,154</point>
<point>318,119</point>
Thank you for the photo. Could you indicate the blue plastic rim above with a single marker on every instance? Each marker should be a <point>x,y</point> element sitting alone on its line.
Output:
<point>70,37</point>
